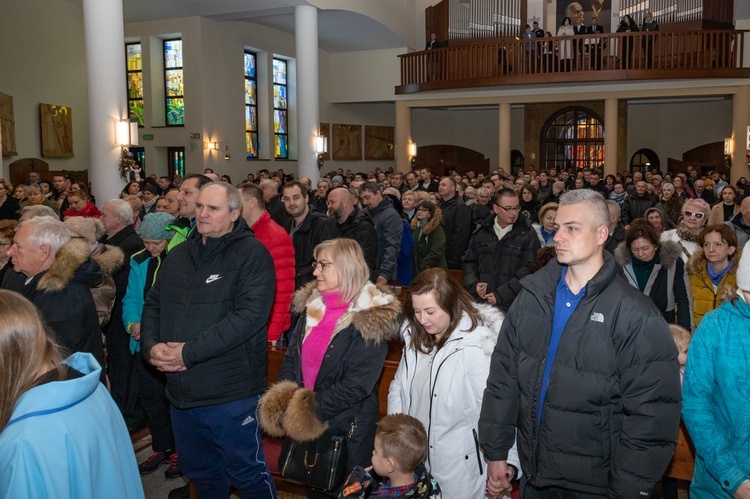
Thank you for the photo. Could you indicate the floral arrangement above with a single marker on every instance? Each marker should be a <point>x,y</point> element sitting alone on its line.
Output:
<point>126,163</point>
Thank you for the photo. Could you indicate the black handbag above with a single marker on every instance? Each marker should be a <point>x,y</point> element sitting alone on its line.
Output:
<point>320,464</point>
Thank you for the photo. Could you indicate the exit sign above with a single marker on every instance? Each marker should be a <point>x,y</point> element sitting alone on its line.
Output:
<point>148,136</point>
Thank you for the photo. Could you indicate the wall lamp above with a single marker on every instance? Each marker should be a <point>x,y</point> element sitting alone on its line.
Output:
<point>321,147</point>
<point>412,150</point>
<point>213,146</point>
<point>126,133</point>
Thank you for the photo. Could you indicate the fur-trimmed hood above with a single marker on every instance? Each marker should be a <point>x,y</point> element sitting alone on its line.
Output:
<point>72,262</point>
<point>669,252</point>
<point>483,337</point>
<point>697,262</point>
<point>433,224</point>
<point>375,312</point>
<point>110,258</point>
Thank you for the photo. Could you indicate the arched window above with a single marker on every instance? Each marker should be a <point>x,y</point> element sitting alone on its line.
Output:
<point>516,160</point>
<point>643,160</point>
<point>573,137</point>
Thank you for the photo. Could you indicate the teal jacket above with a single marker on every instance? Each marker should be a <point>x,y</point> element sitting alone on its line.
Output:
<point>68,439</point>
<point>716,400</point>
<point>140,281</point>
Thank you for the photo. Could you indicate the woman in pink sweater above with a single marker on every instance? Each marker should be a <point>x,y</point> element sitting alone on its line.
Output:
<point>329,376</point>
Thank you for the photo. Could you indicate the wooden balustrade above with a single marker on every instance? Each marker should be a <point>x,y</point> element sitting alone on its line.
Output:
<point>615,56</point>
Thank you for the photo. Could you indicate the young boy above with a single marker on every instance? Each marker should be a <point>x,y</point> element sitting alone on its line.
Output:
<point>398,460</point>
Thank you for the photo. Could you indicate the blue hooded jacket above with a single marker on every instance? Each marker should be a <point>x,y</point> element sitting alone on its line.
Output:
<point>68,439</point>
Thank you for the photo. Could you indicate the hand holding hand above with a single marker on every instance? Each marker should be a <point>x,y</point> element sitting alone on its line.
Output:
<point>481,289</point>
<point>499,475</point>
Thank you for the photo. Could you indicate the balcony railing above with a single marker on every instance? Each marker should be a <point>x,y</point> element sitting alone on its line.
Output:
<point>602,57</point>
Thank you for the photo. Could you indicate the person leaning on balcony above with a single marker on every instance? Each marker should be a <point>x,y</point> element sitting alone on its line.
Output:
<point>595,44</point>
<point>566,50</point>
<point>433,43</point>
<point>648,41</point>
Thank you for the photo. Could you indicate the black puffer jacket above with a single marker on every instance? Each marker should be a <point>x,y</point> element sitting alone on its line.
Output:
<point>314,229</point>
<point>346,388</point>
<point>635,207</point>
<point>500,263</point>
<point>63,297</point>
<point>457,227</point>
<point>612,409</point>
<point>216,298</point>
<point>358,226</point>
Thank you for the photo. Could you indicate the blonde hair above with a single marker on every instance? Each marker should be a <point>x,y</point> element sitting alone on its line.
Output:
<point>404,439</point>
<point>421,196</point>
<point>680,335</point>
<point>27,350</point>
<point>8,186</point>
<point>349,264</point>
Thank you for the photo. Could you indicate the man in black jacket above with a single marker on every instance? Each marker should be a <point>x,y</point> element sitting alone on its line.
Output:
<point>635,205</point>
<point>500,253</point>
<point>204,324</point>
<point>354,223</point>
<point>584,374</point>
<point>456,222</point>
<point>307,227</point>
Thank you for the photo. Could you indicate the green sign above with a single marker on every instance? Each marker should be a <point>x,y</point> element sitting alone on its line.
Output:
<point>148,136</point>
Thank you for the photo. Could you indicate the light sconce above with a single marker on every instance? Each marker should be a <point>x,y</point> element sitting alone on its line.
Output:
<point>412,149</point>
<point>213,146</point>
<point>727,146</point>
<point>126,133</point>
<point>228,156</point>
<point>321,147</point>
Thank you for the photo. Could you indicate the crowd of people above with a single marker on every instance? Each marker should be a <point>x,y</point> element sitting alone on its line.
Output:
<point>545,330</point>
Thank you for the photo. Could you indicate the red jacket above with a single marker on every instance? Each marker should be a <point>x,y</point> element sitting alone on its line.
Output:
<point>90,211</point>
<point>279,244</point>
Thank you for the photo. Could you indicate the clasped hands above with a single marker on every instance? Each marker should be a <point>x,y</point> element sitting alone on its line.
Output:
<point>167,357</point>
<point>499,475</point>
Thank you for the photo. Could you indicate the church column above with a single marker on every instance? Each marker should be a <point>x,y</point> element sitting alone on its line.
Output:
<point>104,35</point>
<point>740,122</point>
<point>504,138</point>
<point>308,98</point>
<point>610,136</point>
<point>403,137</point>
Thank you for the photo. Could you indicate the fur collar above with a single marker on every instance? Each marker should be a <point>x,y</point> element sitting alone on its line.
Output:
<point>69,258</point>
<point>697,262</point>
<point>433,224</point>
<point>110,258</point>
<point>375,312</point>
<point>669,252</point>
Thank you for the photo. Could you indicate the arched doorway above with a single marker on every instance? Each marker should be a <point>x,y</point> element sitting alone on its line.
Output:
<point>644,160</point>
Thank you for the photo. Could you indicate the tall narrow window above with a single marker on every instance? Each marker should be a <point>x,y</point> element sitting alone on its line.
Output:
<point>280,111</point>
<point>174,84</point>
<point>176,159</point>
<point>134,59</point>
<point>573,138</point>
<point>251,106</point>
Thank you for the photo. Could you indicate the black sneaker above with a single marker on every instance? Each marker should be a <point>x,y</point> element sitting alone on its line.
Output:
<point>173,471</point>
<point>180,492</point>
<point>153,462</point>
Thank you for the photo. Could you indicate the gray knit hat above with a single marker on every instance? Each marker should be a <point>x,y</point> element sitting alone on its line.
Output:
<point>743,271</point>
<point>90,229</point>
<point>154,226</point>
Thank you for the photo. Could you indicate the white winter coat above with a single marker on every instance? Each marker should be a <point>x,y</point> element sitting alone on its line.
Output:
<point>458,379</point>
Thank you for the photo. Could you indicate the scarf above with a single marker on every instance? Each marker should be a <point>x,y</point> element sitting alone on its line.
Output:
<point>618,198</point>
<point>717,275</point>
<point>643,269</point>
<point>315,345</point>
<point>547,235</point>
<point>685,234</point>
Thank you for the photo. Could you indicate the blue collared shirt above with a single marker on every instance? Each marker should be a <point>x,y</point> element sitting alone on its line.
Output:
<point>565,304</point>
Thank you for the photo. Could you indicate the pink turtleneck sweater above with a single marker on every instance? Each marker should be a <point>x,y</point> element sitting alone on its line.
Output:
<point>315,345</point>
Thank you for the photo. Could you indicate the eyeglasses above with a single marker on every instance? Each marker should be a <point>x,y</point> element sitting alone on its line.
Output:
<point>319,266</point>
<point>509,209</point>
<point>698,216</point>
<point>422,208</point>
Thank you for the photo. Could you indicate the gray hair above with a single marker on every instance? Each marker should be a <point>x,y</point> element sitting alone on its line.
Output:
<point>47,231</point>
<point>269,181</point>
<point>38,210</point>
<point>593,199</point>
<point>234,197</point>
<point>392,191</point>
<point>613,208</point>
<point>122,210</point>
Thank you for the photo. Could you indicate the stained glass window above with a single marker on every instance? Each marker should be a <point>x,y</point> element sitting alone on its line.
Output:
<point>280,110</point>
<point>176,161</point>
<point>174,84</point>
<point>133,55</point>
<point>139,156</point>
<point>573,138</point>
<point>251,106</point>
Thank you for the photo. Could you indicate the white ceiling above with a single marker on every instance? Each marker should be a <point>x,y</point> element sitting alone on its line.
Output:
<point>338,30</point>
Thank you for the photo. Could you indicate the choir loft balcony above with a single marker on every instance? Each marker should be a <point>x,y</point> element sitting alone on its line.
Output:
<point>583,58</point>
